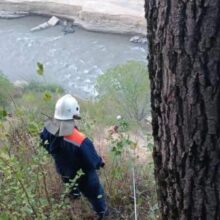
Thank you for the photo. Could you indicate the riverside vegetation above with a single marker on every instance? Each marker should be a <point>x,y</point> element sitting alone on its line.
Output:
<point>30,187</point>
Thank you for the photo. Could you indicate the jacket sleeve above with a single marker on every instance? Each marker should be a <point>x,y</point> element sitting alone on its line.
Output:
<point>91,160</point>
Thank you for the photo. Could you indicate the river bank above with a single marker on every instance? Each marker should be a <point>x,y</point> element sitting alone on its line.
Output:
<point>111,16</point>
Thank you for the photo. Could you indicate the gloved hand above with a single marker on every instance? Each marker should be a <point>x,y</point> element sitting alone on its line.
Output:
<point>102,163</point>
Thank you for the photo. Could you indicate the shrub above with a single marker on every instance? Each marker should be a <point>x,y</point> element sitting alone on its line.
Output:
<point>117,176</point>
<point>124,90</point>
<point>30,187</point>
<point>42,87</point>
<point>38,99</point>
<point>6,90</point>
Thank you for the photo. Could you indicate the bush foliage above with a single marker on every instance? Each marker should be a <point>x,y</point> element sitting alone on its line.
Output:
<point>31,189</point>
<point>42,87</point>
<point>30,186</point>
<point>6,90</point>
<point>124,90</point>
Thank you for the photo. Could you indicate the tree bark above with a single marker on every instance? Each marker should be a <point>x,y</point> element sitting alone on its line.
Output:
<point>184,68</point>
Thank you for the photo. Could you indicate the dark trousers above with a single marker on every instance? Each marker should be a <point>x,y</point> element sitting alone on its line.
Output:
<point>90,186</point>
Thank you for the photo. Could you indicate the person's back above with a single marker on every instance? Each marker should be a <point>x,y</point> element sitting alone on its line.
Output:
<point>73,151</point>
<point>66,156</point>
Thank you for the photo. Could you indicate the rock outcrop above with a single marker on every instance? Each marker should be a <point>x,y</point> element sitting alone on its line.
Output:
<point>116,16</point>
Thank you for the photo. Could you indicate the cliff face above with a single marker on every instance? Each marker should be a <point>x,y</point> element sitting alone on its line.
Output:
<point>116,16</point>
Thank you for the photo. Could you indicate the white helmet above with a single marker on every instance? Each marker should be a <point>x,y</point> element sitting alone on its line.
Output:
<point>67,108</point>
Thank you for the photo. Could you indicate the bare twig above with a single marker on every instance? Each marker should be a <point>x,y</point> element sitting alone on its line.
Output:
<point>134,191</point>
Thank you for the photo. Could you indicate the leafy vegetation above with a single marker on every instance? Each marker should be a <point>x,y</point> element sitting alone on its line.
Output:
<point>40,69</point>
<point>123,157</point>
<point>125,90</point>
<point>6,91</point>
<point>42,87</point>
<point>30,186</point>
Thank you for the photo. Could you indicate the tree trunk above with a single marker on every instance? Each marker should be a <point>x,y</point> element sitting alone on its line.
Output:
<point>184,67</point>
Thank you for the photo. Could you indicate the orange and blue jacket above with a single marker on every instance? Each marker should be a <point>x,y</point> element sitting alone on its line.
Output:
<point>72,152</point>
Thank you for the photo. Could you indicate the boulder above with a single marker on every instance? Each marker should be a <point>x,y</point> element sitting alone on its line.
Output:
<point>68,27</point>
<point>53,21</point>
<point>134,39</point>
<point>139,40</point>
<point>20,84</point>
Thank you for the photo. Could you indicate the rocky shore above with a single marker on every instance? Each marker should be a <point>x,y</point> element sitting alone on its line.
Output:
<point>112,16</point>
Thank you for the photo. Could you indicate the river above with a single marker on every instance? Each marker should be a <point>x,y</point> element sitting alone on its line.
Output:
<point>73,61</point>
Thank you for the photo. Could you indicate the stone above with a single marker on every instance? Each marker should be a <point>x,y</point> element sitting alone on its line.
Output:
<point>68,27</point>
<point>139,40</point>
<point>53,21</point>
<point>135,39</point>
<point>20,84</point>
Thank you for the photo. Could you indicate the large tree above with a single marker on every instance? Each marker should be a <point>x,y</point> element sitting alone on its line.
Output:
<point>184,66</point>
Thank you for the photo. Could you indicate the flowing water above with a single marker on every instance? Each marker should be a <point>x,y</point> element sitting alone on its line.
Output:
<point>73,61</point>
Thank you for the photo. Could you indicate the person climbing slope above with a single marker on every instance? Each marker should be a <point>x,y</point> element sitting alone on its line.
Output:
<point>73,151</point>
